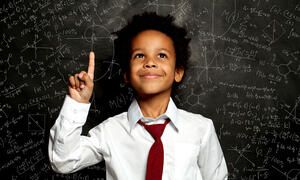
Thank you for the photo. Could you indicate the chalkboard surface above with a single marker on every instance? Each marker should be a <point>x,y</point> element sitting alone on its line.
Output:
<point>244,74</point>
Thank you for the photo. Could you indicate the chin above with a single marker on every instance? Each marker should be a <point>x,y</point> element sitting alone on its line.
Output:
<point>152,92</point>
<point>152,89</point>
<point>149,92</point>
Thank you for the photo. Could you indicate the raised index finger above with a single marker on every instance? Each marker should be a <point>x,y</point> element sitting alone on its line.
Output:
<point>91,67</point>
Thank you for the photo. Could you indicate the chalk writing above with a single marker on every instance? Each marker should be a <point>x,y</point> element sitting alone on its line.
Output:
<point>244,74</point>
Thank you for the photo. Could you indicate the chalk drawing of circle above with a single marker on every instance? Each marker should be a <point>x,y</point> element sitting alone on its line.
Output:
<point>283,69</point>
<point>96,33</point>
<point>293,174</point>
<point>102,43</point>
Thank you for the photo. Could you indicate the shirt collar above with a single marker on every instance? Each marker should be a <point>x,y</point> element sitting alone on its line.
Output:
<point>135,114</point>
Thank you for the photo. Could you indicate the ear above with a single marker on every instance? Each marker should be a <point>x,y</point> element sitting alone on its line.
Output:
<point>179,74</point>
<point>125,77</point>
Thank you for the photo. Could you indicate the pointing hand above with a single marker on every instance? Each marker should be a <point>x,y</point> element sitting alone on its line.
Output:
<point>82,84</point>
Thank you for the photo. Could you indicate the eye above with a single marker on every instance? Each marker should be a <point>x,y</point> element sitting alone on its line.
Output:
<point>162,55</point>
<point>139,55</point>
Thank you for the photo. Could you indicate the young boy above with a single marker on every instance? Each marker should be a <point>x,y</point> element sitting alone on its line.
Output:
<point>154,140</point>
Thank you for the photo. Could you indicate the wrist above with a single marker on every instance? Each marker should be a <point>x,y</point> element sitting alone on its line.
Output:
<point>79,100</point>
<point>84,101</point>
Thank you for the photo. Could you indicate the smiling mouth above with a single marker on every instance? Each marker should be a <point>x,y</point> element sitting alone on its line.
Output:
<point>150,76</point>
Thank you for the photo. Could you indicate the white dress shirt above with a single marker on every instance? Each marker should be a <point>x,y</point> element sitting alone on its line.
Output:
<point>191,147</point>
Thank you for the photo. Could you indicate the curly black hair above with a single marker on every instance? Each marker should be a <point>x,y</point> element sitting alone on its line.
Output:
<point>151,21</point>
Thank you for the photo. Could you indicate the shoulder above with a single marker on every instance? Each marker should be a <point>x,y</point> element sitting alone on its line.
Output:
<point>186,117</point>
<point>117,120</point>
<point>194,124</point>
<point>113,123</point>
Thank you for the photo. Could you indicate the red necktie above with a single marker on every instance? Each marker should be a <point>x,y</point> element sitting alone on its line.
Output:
<point>156,154</point>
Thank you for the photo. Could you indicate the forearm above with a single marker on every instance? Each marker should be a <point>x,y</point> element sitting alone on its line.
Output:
<point>65,141</point>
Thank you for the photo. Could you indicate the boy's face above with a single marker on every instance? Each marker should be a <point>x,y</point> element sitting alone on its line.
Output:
<point>152,67</point>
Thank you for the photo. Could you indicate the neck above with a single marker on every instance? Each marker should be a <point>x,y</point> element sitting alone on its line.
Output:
<point>153,106</point>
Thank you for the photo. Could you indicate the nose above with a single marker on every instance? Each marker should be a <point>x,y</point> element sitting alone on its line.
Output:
<point>150,63</point>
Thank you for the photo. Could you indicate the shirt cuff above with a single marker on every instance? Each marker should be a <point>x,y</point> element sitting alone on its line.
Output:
<point>75,111</point>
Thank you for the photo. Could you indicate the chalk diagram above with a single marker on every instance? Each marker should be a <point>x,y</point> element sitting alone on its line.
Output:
<point>34,46</point>
<point>209,63</point>
<point>97,35</point>
<point>194,99</point>
<point>91,37</point>
<point>292,114</point>
<point>36,122</point>
<point>22,68</point>
<point>32,68</point>
<point>241,153</point>
<point>285,69</point>
<point>274,31</point>
<point>292,174</point>
<point>231,17</point>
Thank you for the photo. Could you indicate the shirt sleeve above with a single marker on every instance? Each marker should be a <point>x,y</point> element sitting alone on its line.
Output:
<point>211,159</point>
<point>68,150</point>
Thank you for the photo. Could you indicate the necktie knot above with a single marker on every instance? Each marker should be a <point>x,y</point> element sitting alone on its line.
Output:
<point>156,130</point>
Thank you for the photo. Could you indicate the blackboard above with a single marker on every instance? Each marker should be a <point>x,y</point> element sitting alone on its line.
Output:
<point>244,74</point>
